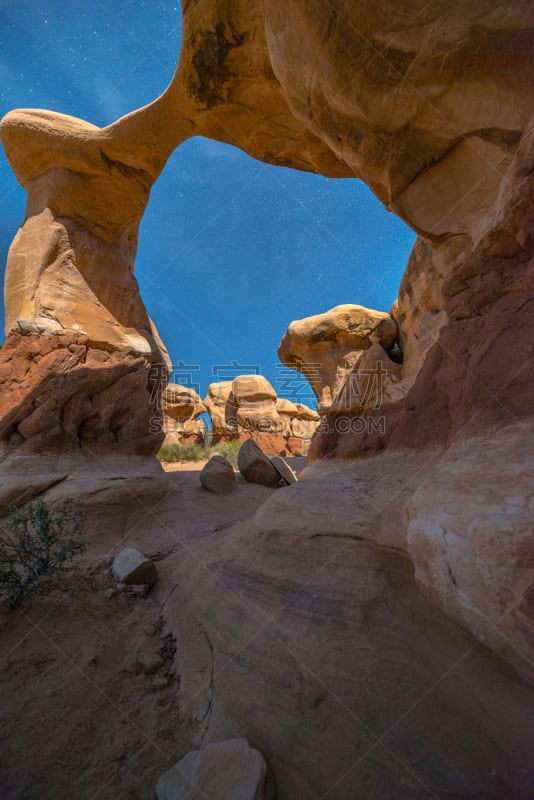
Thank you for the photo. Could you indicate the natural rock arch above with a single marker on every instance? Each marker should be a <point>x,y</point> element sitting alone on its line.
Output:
<point>429,104</point>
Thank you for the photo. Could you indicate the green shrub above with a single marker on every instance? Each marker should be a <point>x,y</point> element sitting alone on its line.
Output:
<point>228,449</point>
<point>184,452</point>
<point>199,452</point>
<point>36,542</point>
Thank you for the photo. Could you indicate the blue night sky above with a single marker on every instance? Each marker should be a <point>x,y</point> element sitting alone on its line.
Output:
<point>230,250</point>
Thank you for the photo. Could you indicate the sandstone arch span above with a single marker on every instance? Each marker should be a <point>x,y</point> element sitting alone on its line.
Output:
<point>430,104</point>
<point>427,103</point>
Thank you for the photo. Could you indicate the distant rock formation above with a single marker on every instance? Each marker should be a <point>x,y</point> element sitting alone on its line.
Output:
<point>223,414</point>
<point>247,407</point>
<point>300,423</point>
<point>255,402</point>
<point>181,408</point>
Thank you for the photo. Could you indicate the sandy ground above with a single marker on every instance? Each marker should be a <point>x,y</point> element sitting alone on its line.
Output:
<point>88,696</point>
<point>297,463</point>
<point>284,634</point>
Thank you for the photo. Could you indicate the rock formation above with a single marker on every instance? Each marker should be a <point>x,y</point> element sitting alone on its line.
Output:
<point>218,475</point>
<point>300,423</point>
<point>255,466</point>
<point>223,413</point>
<point>431,108</point>
<point>462,311</point>
<point>248,407</point>
<point>376,608</point>
<point>61,392</point>
<point>181,408</point>
<point>246,404</point>
<point>71,297</point>
<point>221,771</point>
<point>255,402</point>
<point>328,348</point>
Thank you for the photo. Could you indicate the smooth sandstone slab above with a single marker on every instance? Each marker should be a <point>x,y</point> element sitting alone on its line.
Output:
<point>463,517</point>
<point>470,536</point>
<point>230,770</point>
<point>132,567</point>
<point>319,639</point>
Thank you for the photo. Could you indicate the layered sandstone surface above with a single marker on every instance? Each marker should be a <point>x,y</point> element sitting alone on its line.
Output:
<point>350,648</point>
<point>69,281</point>
<point>302,620</point>
<point>61,392</point>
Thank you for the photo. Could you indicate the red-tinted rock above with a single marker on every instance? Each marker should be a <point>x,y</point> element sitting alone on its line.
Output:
<point>60,392</point>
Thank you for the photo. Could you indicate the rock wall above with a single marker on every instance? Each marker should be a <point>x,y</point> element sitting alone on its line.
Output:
<point>61,392</point>
<point>468,336</point>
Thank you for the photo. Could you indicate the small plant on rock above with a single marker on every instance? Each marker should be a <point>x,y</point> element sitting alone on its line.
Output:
<point>37,542</point>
